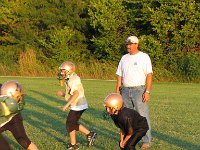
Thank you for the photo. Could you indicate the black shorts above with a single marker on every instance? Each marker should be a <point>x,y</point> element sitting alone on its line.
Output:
<point>72,122</point>
<point>134,139</point>
<point>16,127</point>
<point>3,143</point>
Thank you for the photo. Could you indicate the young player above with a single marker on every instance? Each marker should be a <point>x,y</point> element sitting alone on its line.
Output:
<point>132,126</point>
<point>77,102</point>
<point>11,103</point>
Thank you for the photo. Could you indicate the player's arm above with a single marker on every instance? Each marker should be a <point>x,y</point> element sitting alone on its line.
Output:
<point>122,139</point>
<point>71,99</point>
<point>121,135</point>
<point>128,136</point>
<point>119,84</point>
<point>128,126</point>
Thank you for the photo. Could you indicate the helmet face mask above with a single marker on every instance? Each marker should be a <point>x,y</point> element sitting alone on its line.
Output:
<point>112,111</point>
<point>65,73</point>
<point>113,103</point>
<point>66,69</point>
<point>13,90</point>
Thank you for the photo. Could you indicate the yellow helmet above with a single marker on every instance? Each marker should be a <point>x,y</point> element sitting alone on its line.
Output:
<point>115,102</point>
<point>12,89</point>
<point>67,68</point>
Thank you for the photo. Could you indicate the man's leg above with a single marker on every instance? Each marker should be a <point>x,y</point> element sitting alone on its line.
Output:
<point>143,110</point>
<point>125,92</point>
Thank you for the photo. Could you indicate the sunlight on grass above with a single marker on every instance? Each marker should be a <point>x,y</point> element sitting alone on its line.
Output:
<point>174,113</point>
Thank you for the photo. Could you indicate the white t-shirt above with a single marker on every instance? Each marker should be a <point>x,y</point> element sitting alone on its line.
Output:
<point>73,84</point>
<point>134,68</point>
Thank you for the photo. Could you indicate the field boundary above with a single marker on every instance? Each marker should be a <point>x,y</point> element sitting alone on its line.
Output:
<point>49,78</point>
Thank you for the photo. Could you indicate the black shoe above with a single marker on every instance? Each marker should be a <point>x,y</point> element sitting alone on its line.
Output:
<point>72,147</point>
<point>91,137</point>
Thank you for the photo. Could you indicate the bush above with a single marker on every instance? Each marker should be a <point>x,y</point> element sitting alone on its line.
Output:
<point>29,65</point>
<point>96,70</point>
<point>189,67</point>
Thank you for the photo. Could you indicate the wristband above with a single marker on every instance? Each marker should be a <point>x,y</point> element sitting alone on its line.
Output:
<point>147,92</point>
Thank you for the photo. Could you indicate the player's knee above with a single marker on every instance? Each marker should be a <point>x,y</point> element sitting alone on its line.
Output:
<point>70,127</point>
<point>32,146</point>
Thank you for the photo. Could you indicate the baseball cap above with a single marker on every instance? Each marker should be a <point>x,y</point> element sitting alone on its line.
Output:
<point>132,40</point>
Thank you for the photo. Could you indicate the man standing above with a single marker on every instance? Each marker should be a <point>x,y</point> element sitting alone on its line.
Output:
<point>134,81</point>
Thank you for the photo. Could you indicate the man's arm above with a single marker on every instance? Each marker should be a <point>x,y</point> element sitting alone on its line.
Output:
<point>149,80</point>
<point>119,84</point>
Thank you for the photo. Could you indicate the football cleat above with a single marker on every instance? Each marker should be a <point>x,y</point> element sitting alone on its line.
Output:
<point>91,137</point>
<point>72,147</point>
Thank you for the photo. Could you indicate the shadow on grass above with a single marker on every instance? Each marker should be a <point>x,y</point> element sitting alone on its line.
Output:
<point>50,122</point>
<point>43,122</point>
<point>175,141</point>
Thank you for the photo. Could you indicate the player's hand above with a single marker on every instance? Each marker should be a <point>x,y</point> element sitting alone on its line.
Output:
<point>65,107</point>
<point>60,93</point>
<point>145,97</point>
<point>122,144</point>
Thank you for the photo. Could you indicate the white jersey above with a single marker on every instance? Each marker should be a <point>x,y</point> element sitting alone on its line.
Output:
<point>73,84</point>
<point>134,68</point>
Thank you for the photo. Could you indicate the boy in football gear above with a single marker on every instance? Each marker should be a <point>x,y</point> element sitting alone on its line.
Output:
<point>132,125</point>
<point>11,104</point>
<point>74,94</point>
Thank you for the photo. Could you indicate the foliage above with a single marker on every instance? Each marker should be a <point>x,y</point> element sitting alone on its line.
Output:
<point>93,32</point>
<point>154,48</point>
<point>29,65</point>
<point>97,70</point>
<point>176,24</point>
<point>8,23</point>
<point>189,66</point>
<point>138,16</point>
<point>109,22</point>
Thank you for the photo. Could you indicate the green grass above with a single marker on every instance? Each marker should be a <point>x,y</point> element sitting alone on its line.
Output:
<point>174,113</point>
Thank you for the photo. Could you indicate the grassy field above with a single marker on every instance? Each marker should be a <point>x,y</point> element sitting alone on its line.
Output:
<point>174,113</point>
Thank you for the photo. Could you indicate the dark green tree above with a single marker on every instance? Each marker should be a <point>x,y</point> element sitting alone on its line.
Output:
<point>109,22</point>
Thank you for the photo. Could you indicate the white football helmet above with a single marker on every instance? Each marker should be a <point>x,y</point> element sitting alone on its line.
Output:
<point>13,90</point>
<point>114,102</point>
<point>66,69</point>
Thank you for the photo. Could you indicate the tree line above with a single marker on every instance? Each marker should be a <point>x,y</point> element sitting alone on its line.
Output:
<point>37,35</point>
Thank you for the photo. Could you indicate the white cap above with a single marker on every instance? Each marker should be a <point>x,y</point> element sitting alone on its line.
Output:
<point>132,40</point>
